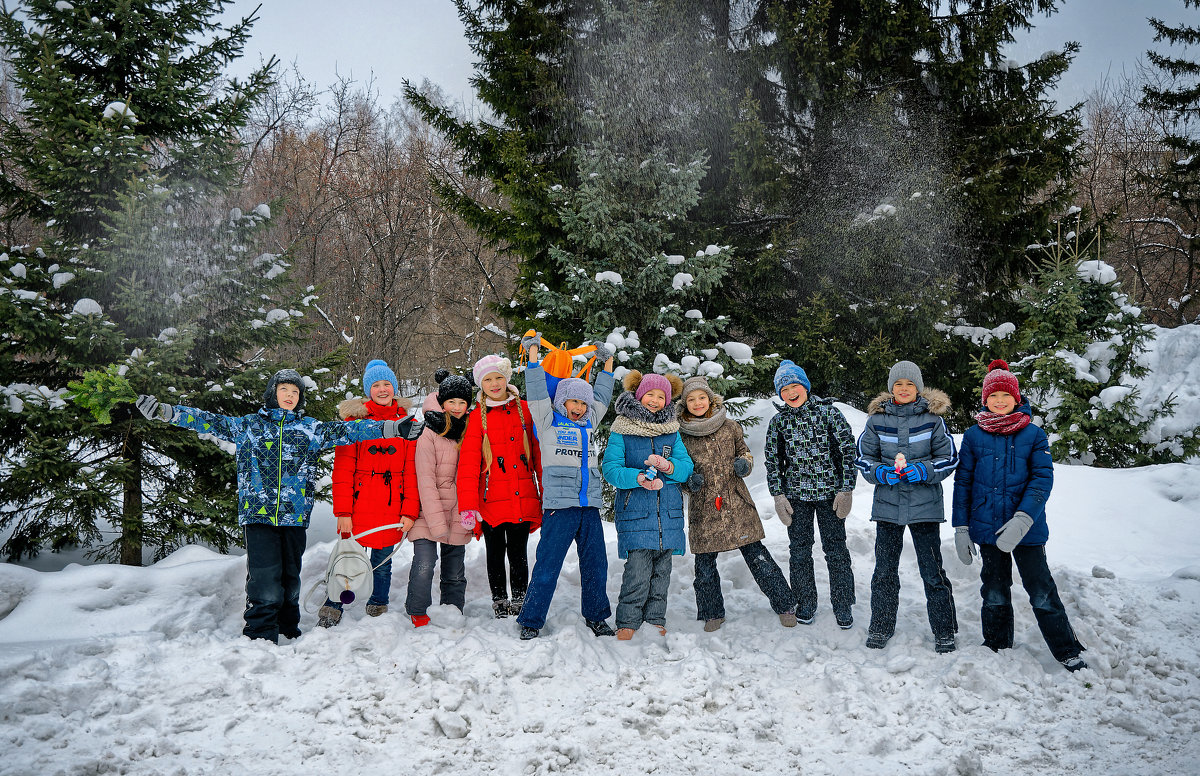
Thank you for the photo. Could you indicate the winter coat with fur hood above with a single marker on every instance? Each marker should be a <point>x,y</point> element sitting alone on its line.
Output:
<point>506,489</point>
<point>918,431</point>
<point>713,444</point>
<point>437,472</point>
<point>375,483</point>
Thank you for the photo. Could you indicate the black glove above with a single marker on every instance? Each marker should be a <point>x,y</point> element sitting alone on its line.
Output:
<point>741,467</point>
<point>695,481</point>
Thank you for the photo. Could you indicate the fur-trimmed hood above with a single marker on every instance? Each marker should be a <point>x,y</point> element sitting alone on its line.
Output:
<point>353,409</point>
<point>936,401</point>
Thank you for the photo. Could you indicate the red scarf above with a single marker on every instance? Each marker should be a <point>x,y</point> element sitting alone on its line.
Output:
<point>1002,424</point>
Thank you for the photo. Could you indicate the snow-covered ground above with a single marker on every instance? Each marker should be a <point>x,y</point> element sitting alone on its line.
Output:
<point>107,669</point>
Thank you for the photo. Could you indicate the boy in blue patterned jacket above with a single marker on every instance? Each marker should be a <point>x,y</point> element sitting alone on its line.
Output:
<point>809,455</point>
<point>906,451</point>
<point>277,453</point>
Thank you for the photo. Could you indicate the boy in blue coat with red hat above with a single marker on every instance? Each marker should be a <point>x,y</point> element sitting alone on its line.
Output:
<point>1004,477</point>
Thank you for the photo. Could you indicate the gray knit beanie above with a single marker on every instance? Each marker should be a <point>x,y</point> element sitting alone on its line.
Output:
<point>906,370</point>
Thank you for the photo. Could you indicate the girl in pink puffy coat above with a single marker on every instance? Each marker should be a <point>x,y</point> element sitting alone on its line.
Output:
<point>438,529</point>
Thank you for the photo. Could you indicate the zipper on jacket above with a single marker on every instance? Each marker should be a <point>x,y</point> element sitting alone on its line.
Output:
<point>279,484</point>
<point>584,458</point>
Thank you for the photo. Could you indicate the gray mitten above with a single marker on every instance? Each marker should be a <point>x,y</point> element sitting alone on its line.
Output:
<point>842,503</point>
<point>963,544</point>
<point>531,340</point>
<point>391,428</point>
<point>153,409</point>
<point>741,467</point>
<point>604,350</point>
<point>695,481</point>
<point>783,508</point>
<point>1012,532</point>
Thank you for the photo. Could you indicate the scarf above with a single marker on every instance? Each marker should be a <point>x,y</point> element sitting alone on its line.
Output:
<point>701,427</point>
<point>633,419</point>
<point>1002,424</point>
<point>436,420</point>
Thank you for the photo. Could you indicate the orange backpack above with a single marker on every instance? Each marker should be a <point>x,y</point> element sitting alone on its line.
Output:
<point>559,362</point>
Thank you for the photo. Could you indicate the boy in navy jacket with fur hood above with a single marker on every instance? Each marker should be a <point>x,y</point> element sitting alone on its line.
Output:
<point>1000,492</point>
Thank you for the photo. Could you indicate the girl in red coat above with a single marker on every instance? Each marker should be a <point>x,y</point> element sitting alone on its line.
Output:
<point>375,484</point>
<point>498,488</point>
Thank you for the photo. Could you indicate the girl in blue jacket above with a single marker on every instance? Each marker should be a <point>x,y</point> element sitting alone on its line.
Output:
<point>648,504</point>
<point>1004,477</point>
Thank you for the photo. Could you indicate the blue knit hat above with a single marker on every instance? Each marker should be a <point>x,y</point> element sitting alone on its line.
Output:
<point>378,370</point>
<point>789,373</point>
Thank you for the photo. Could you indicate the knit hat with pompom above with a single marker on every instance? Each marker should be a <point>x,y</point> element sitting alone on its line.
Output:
<point>451,386</point>
<point>999,378</point>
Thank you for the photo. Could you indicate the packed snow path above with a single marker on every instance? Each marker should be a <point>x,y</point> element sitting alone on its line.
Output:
<point>106,669</point>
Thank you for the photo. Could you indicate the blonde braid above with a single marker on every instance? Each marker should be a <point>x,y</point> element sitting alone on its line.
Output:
<point>487,444</point>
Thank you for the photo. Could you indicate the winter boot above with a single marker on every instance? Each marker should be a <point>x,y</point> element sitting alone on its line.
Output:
<point>1074,663</point>
<point>715,624</point>
<point>599,628</point>
<point>420,620</point>
<point>806,619</point>
<point>328,616</point>
<point>514,607</point>
<point>877,640</point>
<point>501,608</point>
<point>846,622</point>
<point>625,634</point>
<point>529,633</point>
<point>944,644</point>
<point>787,619</point>
<point>375,610</point>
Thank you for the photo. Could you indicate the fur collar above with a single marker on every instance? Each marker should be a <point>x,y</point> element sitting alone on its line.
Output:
<point>633,419</point>
<point>353,409</point>
<point>936,401</point>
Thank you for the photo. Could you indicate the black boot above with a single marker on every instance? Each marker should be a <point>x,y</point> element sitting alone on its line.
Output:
<point>529,633</point>
<point>600,628</point>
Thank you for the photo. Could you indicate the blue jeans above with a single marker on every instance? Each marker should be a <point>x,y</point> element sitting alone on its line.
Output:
<point>420,576</point>
<point>885,582</point>
<point>997,616</point>
<point>644,585</point>
<point>561,527</point>
<point>710,604</point>
<point>273,555</point>
<point>381,582</point>
<point>837,558</point>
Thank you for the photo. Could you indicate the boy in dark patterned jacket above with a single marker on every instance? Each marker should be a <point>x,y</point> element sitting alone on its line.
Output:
<point>277,452</point>
<point>810,471</point>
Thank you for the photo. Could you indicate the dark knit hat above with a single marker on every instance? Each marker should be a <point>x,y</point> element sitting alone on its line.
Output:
<point>906,370</point>
<point>999,378</point>
<point>788,373</point>
<point>452,387</point>
<point>289,376</point>
<point>378,370</point>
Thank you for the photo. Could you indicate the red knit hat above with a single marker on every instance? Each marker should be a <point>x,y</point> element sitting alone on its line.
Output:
<point>1000,379</point>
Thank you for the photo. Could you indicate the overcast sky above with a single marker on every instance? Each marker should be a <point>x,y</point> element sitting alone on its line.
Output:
<point>417,39</point>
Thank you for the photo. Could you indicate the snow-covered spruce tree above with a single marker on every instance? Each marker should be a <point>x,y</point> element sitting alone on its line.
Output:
<point>118,156</point>
<point>1083,342</point>
<point>625,275</point>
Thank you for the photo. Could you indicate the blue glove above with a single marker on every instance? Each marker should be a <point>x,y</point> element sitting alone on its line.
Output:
<point>915,472</point>
<point>886,475</point>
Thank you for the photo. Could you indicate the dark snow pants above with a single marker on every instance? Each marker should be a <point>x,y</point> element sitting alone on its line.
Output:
<point>885,582</point>
<point>511,541</point>
<point>837,558</point>
<point>273,556</point>
<point>997,616</point>
<point>710,604</point>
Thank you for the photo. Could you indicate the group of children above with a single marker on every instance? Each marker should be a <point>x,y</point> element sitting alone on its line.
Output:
<point>509,467</point>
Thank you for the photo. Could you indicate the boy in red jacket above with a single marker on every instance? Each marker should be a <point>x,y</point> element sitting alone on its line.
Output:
<point>375,484</point>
